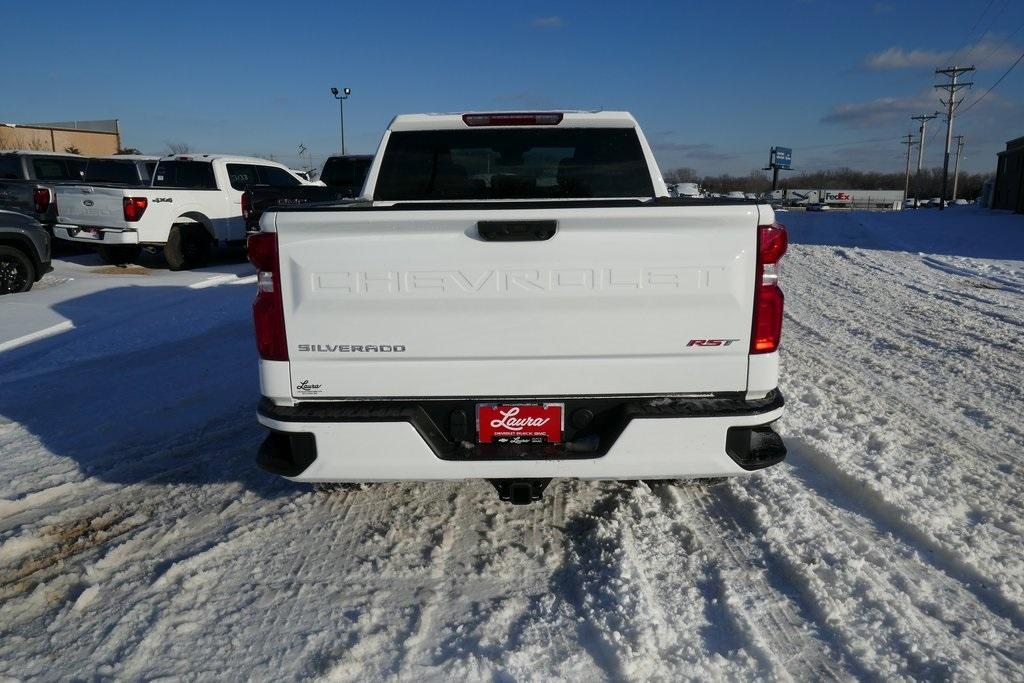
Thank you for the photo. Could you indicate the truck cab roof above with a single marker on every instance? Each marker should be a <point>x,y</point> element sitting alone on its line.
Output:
<point>562,119</point>
<point>41,153</point>
<point>231,158</point>
<point>127,157</point>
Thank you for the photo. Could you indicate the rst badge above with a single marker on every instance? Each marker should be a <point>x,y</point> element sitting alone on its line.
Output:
<point>535,422</point>
<point>711,342</point>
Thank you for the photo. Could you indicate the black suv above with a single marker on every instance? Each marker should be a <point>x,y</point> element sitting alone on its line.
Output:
<point>24,252</point>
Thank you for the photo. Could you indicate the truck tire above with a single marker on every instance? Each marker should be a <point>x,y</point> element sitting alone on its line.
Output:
<point>119,254</point>
<point>188,246</point>
<point>17,272</point>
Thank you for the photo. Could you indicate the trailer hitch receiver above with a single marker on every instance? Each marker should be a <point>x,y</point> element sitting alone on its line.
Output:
<point>520,491</point>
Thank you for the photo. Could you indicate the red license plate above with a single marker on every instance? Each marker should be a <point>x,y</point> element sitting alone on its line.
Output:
<point>520,423</point>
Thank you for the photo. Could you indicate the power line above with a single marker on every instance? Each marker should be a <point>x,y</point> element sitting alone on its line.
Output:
<point>987,29</point>
<point>827,146</point>
<point>971,105</point>
<point>967,37</point>
<point>1000,45</point>
<point>845,144</point>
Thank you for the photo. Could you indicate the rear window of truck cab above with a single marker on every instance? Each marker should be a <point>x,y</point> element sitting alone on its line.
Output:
<point>346,173</point>
<point>189,175</point>
<point>10,167</point>
<point>57,168</point>
<point>114,171</point>
<point>513,163</point>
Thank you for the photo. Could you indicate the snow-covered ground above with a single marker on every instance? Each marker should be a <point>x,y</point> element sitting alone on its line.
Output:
<point>138,540</point>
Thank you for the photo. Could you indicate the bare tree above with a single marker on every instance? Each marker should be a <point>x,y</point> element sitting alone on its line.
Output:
<point>681,175</point>
<point>845,179</point>
<point>178,147</point>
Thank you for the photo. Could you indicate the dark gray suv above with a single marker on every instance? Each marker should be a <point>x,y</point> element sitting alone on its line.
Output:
<point>24,252</point>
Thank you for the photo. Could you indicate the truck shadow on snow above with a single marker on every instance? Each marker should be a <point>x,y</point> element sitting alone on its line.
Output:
<point>220,259</point>
<point>154,384</point>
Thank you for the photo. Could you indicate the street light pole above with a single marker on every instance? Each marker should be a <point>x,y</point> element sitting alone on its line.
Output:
<point>345,92</point>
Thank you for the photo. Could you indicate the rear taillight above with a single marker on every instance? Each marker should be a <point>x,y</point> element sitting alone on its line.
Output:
<point>134,207</point>
<point>772,241</point>
<point>513,119</point>
<point>268,309</point>
<point>248,215</point>
<point>41,199</point>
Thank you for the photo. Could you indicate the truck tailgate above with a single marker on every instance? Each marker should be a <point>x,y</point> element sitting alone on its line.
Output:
<point>91,206</point>
<point>404,303</point>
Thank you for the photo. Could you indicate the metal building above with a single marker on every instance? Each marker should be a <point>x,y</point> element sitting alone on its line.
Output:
<point>88,137</point>
<point>1009,190</point>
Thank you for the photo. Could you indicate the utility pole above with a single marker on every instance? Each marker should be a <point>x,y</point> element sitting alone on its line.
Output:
<point>953,87</point>
<point>924,119</point>
<point>956,166</point>
<point>909,142</point>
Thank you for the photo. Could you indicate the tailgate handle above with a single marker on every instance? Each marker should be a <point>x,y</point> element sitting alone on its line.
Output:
<point>516,231</point>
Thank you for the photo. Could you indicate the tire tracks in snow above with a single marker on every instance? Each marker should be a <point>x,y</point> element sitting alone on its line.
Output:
<point>415,648</point>
<point>889,610</point>
<point>662,589</point>
<point>820,472</point>
<point>939,452</point>
<point>777,618</point>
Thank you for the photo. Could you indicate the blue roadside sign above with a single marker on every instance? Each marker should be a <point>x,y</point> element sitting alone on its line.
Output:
<point>783,157</point>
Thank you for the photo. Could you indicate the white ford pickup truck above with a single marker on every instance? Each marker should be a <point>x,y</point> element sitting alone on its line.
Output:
<point>514,297</point>
<point>194,203</point>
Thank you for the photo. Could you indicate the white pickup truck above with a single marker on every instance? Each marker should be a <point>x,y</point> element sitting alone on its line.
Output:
<point>514,298</point>
<point>194,203</point>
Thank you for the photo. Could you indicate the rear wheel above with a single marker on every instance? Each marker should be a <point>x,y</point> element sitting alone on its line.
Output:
<point>188,246</point>
<point>120,254</point>
<point>17,273</point>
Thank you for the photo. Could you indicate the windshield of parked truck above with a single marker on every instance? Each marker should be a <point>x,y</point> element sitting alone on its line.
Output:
<point>506,163</point>
<point>114,171</point>
<point>189,175</point>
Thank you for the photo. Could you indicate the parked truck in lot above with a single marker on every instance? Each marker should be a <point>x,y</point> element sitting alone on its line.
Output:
<point>29,179</point>
<point>193,204</point>
<point>259,198</point>
<point>514,297</point>
<point>346,172</point>
<point>129,170</point>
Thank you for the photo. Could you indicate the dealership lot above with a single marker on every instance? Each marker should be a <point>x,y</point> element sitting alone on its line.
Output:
<point>139,540</point>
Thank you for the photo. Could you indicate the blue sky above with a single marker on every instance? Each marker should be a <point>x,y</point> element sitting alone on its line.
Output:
<point>714,84</point>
